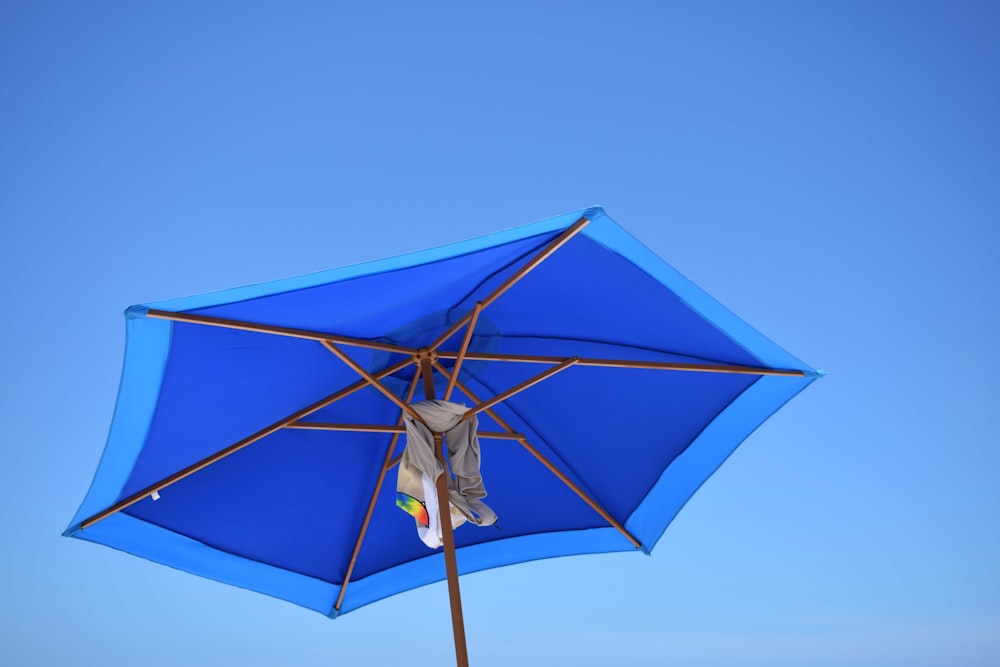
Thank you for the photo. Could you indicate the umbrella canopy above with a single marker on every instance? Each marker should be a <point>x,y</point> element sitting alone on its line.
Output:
<point>257,429</point>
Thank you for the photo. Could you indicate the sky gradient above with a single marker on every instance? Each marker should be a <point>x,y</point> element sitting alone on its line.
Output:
<point>827,171</point>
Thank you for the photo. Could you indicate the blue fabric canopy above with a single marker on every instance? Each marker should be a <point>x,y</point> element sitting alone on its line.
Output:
<point>282,515</point>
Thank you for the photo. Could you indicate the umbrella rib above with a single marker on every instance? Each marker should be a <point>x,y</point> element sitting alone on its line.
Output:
<point>232,449</point>
<point>191,318</point>
<point>692,358</point>
<point>371,503</point>
<point>625,363</point>
<point>548,464</point>
<point>525,269</point>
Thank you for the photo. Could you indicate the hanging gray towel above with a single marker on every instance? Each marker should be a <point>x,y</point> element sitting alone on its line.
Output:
<point>419,469</point>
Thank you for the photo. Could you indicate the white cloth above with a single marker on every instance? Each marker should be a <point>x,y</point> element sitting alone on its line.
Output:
<point>419,469</point>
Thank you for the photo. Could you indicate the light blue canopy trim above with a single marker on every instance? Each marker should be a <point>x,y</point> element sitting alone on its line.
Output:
<point>480,557</point>
<point>147,345</point>
<point>612,236</point>
<point>693,467</point>
<point>135,536</point>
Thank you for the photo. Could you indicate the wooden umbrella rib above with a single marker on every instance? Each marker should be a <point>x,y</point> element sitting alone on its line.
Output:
<point>625,363</point>
<point>371,503</point>
<point>232,449</point>
<point>557,243</point>
<point>548,464</point>
<point>225,323</point>
<point>525,269</point>
<point>496,435</point>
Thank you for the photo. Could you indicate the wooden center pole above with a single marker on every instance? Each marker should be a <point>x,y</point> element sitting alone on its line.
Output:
<point>447,533</point>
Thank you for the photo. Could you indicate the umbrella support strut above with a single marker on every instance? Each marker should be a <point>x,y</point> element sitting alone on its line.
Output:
<point>371,503</point>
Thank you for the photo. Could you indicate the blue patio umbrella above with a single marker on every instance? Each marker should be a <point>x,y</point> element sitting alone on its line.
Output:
<point>257,429</point>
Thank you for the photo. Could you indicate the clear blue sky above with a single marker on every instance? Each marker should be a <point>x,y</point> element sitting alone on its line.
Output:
<point>828,171</point>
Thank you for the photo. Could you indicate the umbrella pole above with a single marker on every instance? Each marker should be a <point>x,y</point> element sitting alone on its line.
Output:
<point>450,561</point>
<point>447,533</point>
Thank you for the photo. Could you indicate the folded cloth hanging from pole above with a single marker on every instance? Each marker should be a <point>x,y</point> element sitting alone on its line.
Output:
<point>419,469</point>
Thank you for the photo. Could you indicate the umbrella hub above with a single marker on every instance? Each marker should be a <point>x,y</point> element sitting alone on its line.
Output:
<point>421,332</point>
<point>425,353</point>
